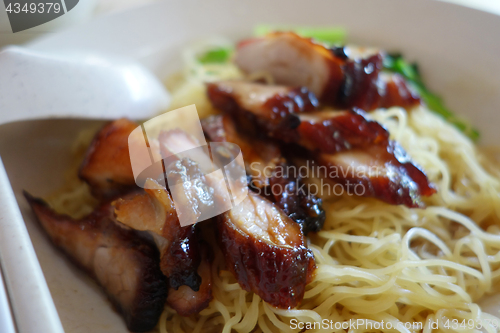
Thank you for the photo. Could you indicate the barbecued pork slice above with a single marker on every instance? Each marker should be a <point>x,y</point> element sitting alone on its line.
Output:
<point>394,91</point>
<point>261,156</point>
<point>343,77</point>
<point>271,174</point>
<point>287,190</point>
<point>275,107</point>
<point>385,172</point>
<point>335,131</point>
<point>266,251</point>
<point>153,210</point>
<point>188,302</point>
<point>124,264</point>
<point>256,106</point>
<point>293,61</point>
<point>326,131</point>
<point>200,190</point>
<point>106,166</point>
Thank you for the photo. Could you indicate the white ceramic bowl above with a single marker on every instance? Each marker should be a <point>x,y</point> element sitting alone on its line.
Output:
<point>457,48</point>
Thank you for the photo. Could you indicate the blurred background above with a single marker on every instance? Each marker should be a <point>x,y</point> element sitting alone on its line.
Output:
<point>88,9</point>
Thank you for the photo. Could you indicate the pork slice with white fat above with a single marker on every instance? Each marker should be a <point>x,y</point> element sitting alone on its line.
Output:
<point>183,255</point>
<point>123,263</point>
<point>106,166</point>
<point>266,251</point>
<point>343,77</point>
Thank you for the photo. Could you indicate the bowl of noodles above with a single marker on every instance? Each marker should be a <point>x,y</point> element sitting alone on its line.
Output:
<point>417,251</point>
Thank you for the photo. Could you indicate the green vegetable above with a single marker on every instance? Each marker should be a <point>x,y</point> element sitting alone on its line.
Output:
<point>396,63</point>
<point>327,35</point>
<point>218,56</point>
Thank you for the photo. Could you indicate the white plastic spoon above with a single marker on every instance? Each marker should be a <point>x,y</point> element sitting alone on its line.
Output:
<point>36,85</point>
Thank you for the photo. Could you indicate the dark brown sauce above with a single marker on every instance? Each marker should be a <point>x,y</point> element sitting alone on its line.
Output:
<point>349,129</point>
<point>364,87</point>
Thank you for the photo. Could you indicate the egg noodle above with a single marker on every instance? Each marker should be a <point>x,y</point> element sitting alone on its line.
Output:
<point>411,269</point>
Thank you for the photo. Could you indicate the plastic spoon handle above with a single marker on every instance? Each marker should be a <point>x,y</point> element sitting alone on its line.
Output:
<point>32,305</point>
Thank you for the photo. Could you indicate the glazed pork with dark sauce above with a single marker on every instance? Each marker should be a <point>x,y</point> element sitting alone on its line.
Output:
<point>385,171</point>
<point>185,300</point>
<point>266,251</point>
<point>326,130</point>
<point>182,259</point>
<point>273,107</point>
<point>123,262</point>
<point>342,77</point>
<point>260,156</point>
<point>270,174</point>
<point>106,167</point>
<point>183,163</point>
<point>154,211</point>
<point>365,85</point>
<point>335,131</point>
<point>348,144</point>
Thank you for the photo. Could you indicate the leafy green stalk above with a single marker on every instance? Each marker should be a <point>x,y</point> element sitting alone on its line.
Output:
<point>395,63</point>
<point>327,35</point>
<point>216,56</point>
